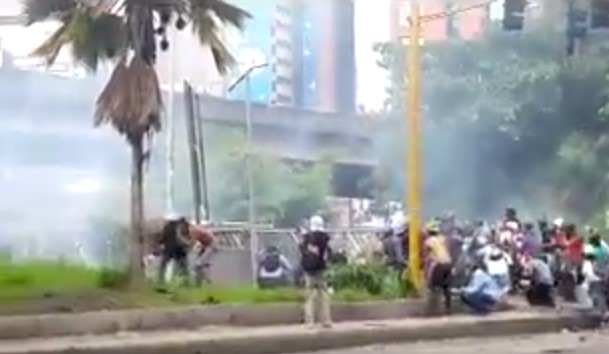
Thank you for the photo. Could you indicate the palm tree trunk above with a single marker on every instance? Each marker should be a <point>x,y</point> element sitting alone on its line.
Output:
<point>136,244</point>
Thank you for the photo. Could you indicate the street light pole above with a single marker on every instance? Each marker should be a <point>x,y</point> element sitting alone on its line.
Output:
<point>170,132</point>
<point>251,197</point>
<point>251,210</point>
<point>413,154</point>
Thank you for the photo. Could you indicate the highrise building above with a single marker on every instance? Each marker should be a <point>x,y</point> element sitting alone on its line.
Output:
<point>309,46</point>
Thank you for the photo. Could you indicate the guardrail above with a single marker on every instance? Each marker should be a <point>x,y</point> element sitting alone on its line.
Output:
<point>352,241</point>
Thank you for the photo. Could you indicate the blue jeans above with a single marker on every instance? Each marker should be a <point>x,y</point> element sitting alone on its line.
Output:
<point>479,302</point>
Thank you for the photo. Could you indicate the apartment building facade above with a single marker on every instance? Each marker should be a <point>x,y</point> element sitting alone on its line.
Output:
<point>310,49</point>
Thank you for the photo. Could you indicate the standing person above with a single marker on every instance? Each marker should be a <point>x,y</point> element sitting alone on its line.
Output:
<point>571,250</point>
<point>315,251</point>
<point>174,246</point>
<point>589,293</point>
<point>533,241</point>
<point>438,265</point>
<point>511,218</point>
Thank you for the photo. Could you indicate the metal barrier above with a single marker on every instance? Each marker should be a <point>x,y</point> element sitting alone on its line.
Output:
<point>353,241</point>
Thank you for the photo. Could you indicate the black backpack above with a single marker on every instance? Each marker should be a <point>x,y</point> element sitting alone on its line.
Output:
<point>312,262</point>
<point>271,262</point>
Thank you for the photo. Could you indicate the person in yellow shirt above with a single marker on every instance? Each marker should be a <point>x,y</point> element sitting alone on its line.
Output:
<point>438,265</point>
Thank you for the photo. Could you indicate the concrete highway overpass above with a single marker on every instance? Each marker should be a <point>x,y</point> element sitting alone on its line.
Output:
<point>27,98</point>
<point>292,133</point>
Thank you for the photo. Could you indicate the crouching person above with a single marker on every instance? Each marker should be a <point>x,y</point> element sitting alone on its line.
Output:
<point>315,251</point>
<point>203,249</point>
<point>482,292</point>
<point>273,269</point>
<point>541,288</point>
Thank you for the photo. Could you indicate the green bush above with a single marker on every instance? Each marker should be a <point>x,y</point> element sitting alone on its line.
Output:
<point>112,279</point>
<point>374,279</point>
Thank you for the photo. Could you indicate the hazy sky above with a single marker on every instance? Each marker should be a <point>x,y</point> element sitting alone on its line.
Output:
<point>371,26</point>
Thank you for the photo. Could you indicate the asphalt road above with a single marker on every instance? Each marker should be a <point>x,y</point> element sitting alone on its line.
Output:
<point>562,343</point>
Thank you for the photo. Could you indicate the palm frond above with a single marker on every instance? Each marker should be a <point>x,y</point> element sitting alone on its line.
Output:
<point>223,11</point>
<point>131,101</point>
<point>50,48</point>
<point>223,59</point>
<point>43,10</point>
<point>96,37</point>
<point>206,17</point>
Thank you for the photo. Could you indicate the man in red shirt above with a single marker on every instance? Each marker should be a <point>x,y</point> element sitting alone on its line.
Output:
<point>571,244</point>
<point>571,248</point>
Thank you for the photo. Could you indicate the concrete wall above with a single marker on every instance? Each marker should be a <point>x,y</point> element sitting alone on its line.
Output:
<point>231,267</point>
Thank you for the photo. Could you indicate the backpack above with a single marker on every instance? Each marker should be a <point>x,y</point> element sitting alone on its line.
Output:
<point>311,262</point>
<point>271,262</point>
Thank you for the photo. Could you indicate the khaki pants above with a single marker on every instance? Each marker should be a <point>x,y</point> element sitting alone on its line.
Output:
<point>317,303</point>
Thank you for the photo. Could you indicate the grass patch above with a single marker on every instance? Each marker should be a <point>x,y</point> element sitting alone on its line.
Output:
<point>40,287</point>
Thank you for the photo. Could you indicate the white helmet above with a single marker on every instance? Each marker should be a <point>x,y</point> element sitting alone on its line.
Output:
<point>398,222</point>
<point>316,223</point>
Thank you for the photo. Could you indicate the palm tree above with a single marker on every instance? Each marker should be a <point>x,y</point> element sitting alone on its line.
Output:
<point>130,33</point>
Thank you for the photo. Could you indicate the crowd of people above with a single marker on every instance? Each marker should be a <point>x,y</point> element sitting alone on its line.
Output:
<point>478,263</point>
<point>482,264</point>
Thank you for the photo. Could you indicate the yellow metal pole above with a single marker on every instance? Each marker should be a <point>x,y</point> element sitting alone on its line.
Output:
<point>413,164</point>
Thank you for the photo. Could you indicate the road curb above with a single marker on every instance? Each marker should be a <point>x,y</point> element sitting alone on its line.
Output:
<point>107,322</point>
<point>278,340</point>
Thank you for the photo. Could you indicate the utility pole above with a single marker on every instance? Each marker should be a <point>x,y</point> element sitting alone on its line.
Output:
<point>170,131</point>
<point>193,150</point>
<point>413,131</point>
<point>413,153</point>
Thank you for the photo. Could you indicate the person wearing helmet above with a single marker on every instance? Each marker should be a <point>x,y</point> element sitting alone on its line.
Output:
<point>314,254</point>
<point>438,265</point>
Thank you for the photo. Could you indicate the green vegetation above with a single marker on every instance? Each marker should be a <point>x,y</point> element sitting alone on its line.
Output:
<point>43,287</point>
<point>286,192</point>
<point>524,124</point>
